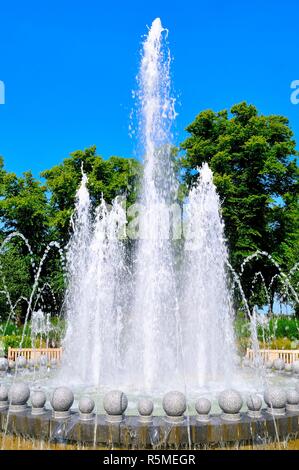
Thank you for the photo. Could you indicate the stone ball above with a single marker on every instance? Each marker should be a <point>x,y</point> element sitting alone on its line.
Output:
<point>62,399</point>
<point>38,399</point>
<point>237,361</point>
<point>279,364</point>
<point>254,402</point>
<point>293,397</point>
<point>203,406</point>
<point>115,403</point>
<point>86,405</point>
<point>145,407</point>
<point>275,397</point>
<point>288,367</point>
<point>296,367</point>
<point>269,364</point>
<point>230,401</point>
<point>43,360</point>
<point>3,393</point>
<point>21,362</point>
<point>3,364</point>
<point>174,403</point>
<point>31,363</point>
<point>18,394</point>
<point>11,364</point>
<point>246,362</point>
<point>257,362</point>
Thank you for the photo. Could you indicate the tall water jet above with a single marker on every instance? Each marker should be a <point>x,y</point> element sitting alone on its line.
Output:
<point>153,353</point>
<point>95,294</point>
<point>77,264</point>
<point>206,310</point>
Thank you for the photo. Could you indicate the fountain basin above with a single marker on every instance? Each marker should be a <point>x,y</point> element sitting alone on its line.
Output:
<point>131,433</point>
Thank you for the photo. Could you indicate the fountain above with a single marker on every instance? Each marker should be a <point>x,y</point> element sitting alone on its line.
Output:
<point>165,331</point>
<point>146,320</point>
<point>154,318</point>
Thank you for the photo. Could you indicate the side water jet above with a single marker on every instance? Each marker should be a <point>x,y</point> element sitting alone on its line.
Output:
<point>95,294</point>
<point>206,310</point>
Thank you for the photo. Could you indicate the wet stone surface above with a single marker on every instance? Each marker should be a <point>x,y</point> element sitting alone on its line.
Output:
<point>130,433</point>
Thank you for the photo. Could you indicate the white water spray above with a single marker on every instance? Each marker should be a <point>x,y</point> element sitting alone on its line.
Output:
<point>207,313</point>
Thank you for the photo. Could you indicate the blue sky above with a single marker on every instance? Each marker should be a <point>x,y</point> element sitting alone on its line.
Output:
<point>69,68</point>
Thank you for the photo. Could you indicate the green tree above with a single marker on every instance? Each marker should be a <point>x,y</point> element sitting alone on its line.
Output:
<point>23,206</point>
<point>253,160</point>
<point>110,178</point>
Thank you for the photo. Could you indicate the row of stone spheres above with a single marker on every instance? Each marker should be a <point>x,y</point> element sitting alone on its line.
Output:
<point>278,365</point>
<point>278,401</point>
<point>21,363</point>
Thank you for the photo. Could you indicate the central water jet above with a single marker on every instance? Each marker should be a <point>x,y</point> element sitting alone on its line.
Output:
<point>154,349</point>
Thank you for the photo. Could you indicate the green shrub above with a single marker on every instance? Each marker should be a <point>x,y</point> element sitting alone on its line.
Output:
<point>285,327</point>
<point>14,341</point>
<point>11,328</point>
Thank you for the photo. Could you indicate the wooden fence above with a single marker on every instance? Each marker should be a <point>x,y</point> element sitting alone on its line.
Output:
<point>30,353</point>
<point>288,355</point>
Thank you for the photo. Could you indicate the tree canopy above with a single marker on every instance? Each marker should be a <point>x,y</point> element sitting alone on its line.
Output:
<point>253,160</point>
<point>107,178</point>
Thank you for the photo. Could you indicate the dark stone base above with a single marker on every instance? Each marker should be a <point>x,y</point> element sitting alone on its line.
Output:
<point>131,433</point>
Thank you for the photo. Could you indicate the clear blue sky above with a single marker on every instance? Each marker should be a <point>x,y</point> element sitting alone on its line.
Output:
<point>69,68</point>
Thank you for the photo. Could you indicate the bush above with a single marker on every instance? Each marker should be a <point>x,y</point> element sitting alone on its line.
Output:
<point>281,343</point>
<point>14,341</point>
<point>285,327</point>
<point>10,328</point>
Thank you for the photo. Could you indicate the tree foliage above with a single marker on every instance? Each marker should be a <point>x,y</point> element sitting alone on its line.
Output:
<point>107,178</point>
<point>253,160</point>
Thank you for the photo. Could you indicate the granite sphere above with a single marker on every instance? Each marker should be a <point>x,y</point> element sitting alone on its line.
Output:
<point>203,406</point>
<point>269,364</point>
<point>257,362</point>
<point>21,362</point>
<point>11,364</point>
<point>18,394</point>
<point>275,397</point>
<point>3,393</point>
<point>115,403</point>
<point>174,403</point>
<point>246,362</point>
<point>230,401</point>
<point>38,398</point>
<point>31,363</point>
<point>238,361</point>
<point>254,402</point>
<point>86,405</point>
<point>62,399</point>
<point>279,364</point>
<point>3,364</point>
<point>145,407</point>
<point>296,367</point>
<point>293,397</point>
<point>43,360</point>
<point>288,367</point>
